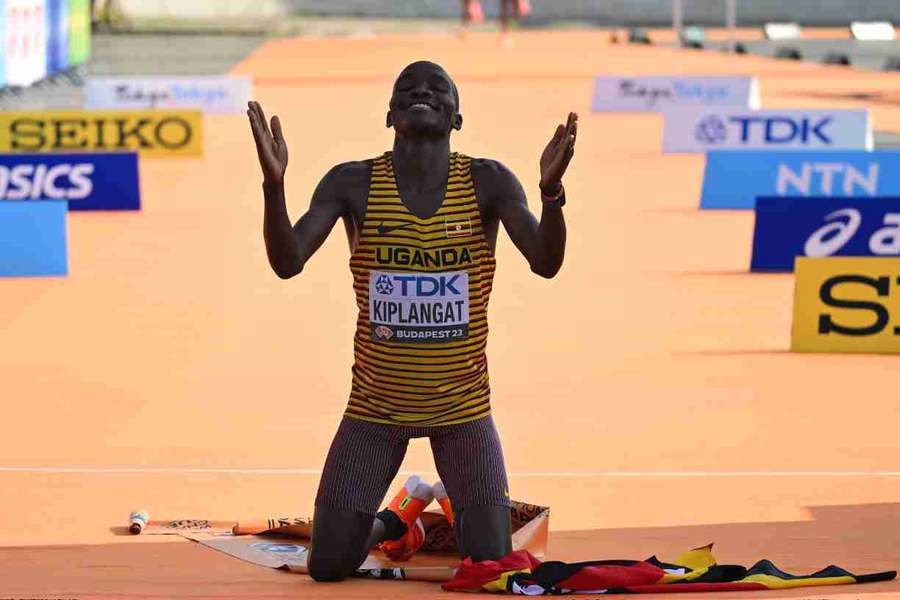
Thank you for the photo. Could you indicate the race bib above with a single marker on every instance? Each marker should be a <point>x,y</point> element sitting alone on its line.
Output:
<point>419,308</point>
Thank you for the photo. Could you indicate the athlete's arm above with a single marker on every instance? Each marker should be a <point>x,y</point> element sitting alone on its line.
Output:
<point>542,243</point>
<point>289,247</point>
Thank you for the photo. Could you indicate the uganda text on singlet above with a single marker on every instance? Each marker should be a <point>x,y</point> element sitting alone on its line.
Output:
<point>422,287</point>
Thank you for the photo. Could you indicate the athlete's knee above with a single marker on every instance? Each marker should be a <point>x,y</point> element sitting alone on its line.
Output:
<point>339,543</point>
<point>328,568</point>
<point>484,532</point>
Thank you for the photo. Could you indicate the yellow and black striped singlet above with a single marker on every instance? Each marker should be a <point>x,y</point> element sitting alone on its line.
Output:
<point>422,287</point>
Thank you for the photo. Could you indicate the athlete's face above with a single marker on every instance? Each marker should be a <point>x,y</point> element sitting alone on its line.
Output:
<point>424,101</point>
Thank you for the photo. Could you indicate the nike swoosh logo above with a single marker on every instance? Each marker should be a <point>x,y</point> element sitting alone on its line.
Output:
<point>382,230</point>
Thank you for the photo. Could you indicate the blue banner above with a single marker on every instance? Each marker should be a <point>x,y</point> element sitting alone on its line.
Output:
<point>33,239</point>
<point>88,181</point>
<point>57,12</point>
<point>734,179</point>
<point>788,227</point>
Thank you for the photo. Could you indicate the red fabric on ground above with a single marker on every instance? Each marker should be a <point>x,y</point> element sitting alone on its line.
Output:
<point>470,576</point>
<point>613,576</point>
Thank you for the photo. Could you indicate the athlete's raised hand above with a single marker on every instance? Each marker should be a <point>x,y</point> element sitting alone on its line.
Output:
<point>557,155</point>
<point>270,145</point>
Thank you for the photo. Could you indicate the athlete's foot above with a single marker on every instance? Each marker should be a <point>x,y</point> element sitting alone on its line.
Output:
<point>404,531</point>
<point>440,494</point>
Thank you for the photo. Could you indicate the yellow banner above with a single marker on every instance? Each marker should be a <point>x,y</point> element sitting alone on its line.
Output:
<point>844,304</point>
<point>151,132</point>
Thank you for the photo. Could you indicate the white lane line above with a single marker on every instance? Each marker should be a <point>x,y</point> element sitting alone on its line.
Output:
<point>585,474</point>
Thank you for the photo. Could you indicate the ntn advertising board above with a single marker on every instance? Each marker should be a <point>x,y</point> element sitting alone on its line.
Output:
<point>735,178</point>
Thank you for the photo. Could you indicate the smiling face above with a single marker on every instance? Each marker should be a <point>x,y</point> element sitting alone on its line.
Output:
<point>425,102</point>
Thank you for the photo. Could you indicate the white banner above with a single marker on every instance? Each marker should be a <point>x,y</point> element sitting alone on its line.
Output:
<point>25,54</point>
<point>210,93</point>
<point>873,31</point>
<point>782,31</point>
<point>702,130</point>
<point>651,93</point>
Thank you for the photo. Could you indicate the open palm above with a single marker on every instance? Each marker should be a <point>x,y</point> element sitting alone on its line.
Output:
<point>556,156</point>
<point>270,145</point>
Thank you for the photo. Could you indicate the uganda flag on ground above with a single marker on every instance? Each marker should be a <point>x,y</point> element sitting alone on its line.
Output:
<point>694,571</point>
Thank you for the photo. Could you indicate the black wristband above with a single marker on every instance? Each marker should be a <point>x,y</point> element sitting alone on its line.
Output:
<point>558,203</point>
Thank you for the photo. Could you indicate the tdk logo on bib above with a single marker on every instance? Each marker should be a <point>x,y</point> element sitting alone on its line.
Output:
<point>419,308</point>
<point>698,131</point>
<point>87,181</point>
<point>736,179</point>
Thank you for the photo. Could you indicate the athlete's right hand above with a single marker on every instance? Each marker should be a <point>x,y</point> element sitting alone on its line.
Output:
<point>270,145</point>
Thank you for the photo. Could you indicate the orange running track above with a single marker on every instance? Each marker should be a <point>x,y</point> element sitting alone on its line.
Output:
<point>646,393</point>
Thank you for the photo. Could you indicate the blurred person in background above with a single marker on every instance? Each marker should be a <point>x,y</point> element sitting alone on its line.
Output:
<point>510,12</point>
<point>471,13</point>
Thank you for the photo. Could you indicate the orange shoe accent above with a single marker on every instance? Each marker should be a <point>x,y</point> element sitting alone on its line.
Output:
<point>440,494</point>
<point>408,504</point>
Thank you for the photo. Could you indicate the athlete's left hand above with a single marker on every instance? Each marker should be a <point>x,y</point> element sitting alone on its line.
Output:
<point>557,154</point>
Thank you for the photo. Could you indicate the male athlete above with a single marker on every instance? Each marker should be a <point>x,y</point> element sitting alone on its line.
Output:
<point>422,223</point>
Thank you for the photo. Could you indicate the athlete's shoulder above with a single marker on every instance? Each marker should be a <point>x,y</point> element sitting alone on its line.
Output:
<point>493,176</point>
<point>354,171</point>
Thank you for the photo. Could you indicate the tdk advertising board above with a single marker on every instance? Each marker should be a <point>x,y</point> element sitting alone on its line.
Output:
<point>648,93</point>
<point>790,227</point>
<point>701,130</point>
<point>210,93</point>
<point>734,179</point>
<point>101,181</point>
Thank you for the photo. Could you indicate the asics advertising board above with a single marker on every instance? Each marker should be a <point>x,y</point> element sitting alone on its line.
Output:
<point>734,179</point>
<point>790,227</point>
<point>152,133</point>
<point>701,130</point>
<point>101,181</point>
<point>209,93</point>
<point>844,304</point>
<point>646,93</point>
